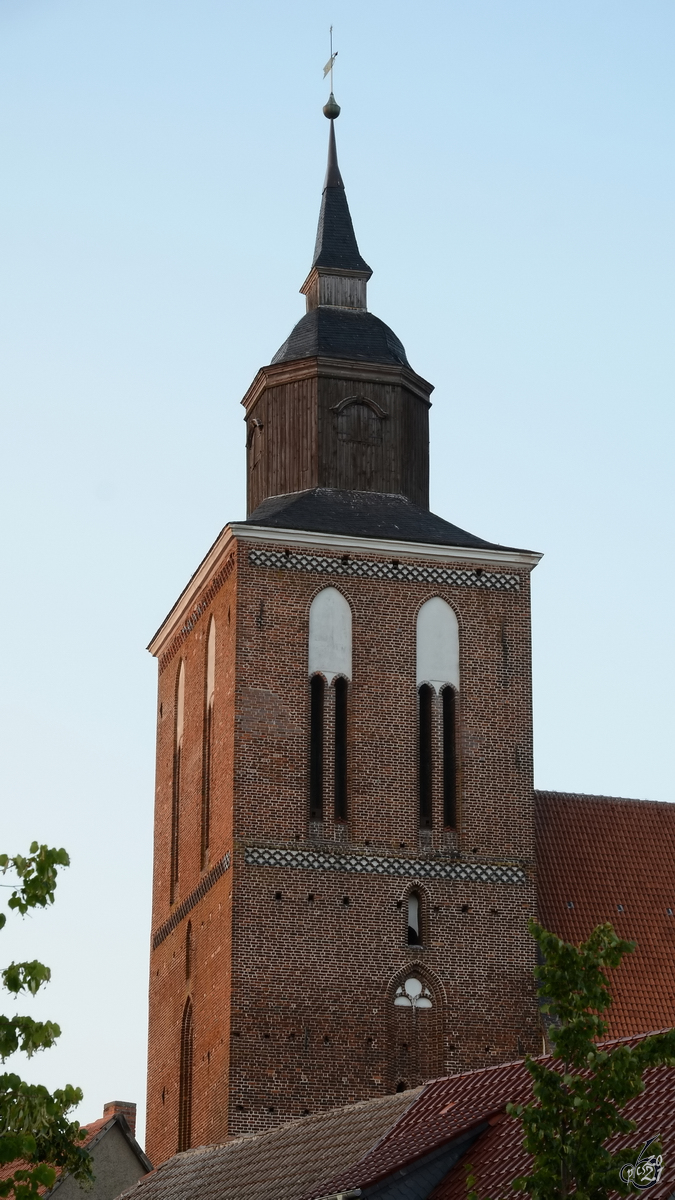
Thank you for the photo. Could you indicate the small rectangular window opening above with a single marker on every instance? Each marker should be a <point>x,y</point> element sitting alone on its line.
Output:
<point>425,755</point>
<point>449,758</point>
<point>414,933</point>
<point>317,688</point>
<point>340,749</point>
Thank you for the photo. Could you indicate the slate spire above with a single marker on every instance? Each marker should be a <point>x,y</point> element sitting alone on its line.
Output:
<point>336,247</point>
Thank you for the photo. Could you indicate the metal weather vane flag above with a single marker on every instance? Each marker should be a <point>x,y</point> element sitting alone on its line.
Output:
<point>328,69</point>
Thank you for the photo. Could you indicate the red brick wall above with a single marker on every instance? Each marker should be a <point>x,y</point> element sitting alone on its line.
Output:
<point>301,990</point>
<point>209,983</point>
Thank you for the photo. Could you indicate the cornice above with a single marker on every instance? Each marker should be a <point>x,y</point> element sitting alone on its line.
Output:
<point>337,368</point>
<point>239,531</point>
<point>397,549</point>
<point>174,619</point>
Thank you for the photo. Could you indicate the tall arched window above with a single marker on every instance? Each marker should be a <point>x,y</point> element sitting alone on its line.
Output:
<point>176,786</point>
<point>330,662</point>
<point>437,673</point>
<point>414,920</point>
<point>316,701</point>
<point>425,730</point>
<point>415,1028</point>
<point>449,697</point>
<point>185,1080</point>
<point>208,740</point>
<point>340,773</point>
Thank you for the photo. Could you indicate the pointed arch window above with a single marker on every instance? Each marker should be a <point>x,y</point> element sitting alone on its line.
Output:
<point>185,1080</point>
<point>414,919</point>
<point>176,783</point>
<point>340,687</point>
<point>317,690</point>
<point>437,674</point>
<point>425,731</point>
<point>449,700</point>
<point>207,766</point>
<point>415,1028</point>
<point>330,663</point>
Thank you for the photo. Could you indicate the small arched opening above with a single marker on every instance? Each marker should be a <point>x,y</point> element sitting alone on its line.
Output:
<point>414,906</point>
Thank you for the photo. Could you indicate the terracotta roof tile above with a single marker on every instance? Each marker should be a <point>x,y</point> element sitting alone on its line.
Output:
<point>498,1156</point>
<point>357,1146</point>
<point>600,858</point>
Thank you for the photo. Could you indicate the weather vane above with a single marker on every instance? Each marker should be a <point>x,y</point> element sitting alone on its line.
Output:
<point>332,108</point>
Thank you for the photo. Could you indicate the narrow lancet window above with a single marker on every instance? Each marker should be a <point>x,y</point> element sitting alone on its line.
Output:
<point>340,688</point>
<point>176,786</point>
<point>414,932</point>
<point>317,693</point>
<point>425,755</point>
<point>449,758</point>
<point>438,674</point>
<point>185,1080</point>
<point>329,660</point>
<point>188,950</point>
<point>208,741</point>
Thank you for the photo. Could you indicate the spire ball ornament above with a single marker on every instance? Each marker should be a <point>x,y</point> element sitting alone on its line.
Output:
<point>332,108</point>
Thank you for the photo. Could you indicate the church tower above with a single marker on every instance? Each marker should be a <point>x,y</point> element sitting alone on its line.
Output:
<point>344,865</point>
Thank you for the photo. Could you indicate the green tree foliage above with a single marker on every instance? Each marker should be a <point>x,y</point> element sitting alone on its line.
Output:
<point>579,1100</point>
<point>35,1131</point>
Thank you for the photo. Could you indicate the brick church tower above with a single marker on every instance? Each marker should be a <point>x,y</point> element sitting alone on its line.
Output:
<point>344,864</point>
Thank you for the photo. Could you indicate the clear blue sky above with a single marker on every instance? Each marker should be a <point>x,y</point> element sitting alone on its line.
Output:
<point>510,173</point>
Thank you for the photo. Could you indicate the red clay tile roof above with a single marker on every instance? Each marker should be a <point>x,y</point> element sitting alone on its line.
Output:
<point>354,1147</point>
<point>497,1158</point>
<point>604,859</point>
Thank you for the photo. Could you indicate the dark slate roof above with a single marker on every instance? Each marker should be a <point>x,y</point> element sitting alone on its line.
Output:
<point>336,245</point>
<point>363,514</point>
<point>600,858</point>
<point>342,333</point>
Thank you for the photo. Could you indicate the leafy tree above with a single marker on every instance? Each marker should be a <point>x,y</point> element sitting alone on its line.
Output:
<point>35,1132</point>
<point>578,1101</point>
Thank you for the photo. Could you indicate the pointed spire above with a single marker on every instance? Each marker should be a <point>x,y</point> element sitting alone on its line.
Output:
<point>336,246</point>
<point>333,176</point>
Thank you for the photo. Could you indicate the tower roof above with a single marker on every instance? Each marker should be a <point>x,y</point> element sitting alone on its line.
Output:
<point>333,332</point>
<point>336,246</point>
<point>337,323</point>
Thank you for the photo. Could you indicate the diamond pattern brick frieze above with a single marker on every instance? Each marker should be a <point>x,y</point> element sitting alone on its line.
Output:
<point>371,864</point>
<point>361,568</point>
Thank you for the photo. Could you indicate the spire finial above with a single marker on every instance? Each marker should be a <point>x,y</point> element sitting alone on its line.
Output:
<point>332,108</point>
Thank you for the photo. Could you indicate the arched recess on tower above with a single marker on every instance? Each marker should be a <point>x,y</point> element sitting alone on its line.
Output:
<point>415,1007</point>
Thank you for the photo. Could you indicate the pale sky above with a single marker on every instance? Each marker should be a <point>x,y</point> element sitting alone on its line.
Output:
<point>509,168</point>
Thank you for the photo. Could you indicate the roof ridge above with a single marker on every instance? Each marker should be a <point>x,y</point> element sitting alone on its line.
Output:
<point>599,796</point>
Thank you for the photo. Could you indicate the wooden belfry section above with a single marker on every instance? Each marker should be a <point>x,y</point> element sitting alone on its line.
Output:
<point>339,406</point>
<point>344,836</point>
